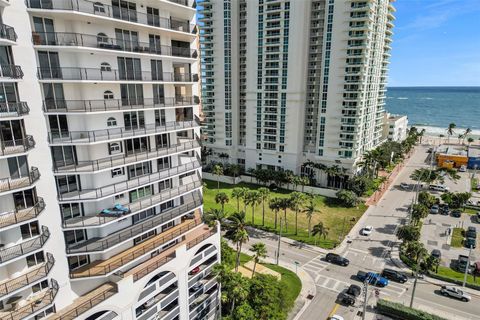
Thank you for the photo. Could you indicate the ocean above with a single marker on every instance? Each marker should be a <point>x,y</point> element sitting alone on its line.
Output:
<point>434,108</point>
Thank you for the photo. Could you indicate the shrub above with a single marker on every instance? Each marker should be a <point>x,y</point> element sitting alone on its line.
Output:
<point>399,311</point>
<point>347,198</point>
<point>360,184</point>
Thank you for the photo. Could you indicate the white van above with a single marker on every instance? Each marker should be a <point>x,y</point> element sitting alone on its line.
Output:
<point>438,187</point>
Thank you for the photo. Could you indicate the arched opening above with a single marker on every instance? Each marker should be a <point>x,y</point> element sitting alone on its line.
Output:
<point>98,7</point>
<point>105,66</point>
<point>108,95</point>
<point>111,122</point>
<point>104,314</point>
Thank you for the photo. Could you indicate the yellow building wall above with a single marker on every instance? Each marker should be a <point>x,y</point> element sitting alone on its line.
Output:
<point>458,161</point>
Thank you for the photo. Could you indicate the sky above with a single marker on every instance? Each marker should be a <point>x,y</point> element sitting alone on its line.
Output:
<point>436,43</point>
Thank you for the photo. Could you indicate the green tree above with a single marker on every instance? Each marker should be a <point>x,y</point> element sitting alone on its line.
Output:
<point>408,233</point>
<point>218,171</point>
<point>425,175</point>
<point>414,250</point>
<point>432,263</point>
<point>237,193</point>
<point>227,253</point>
<point>234,170</point>
<point>235,287</point>
<point>252,198</point>
<point>264,196</point>
<point>347,198</point>
<point>296,201</point>
<point>310,210</point>
<point>237,232</point>
<point>267,298</point>
<point>259,252</point>
<point>222,198</point>
<point>360,184</point>
<point>245,191</point>
<point>244,312</point>
<point>426,199</point>
<point>470,140</point>
<point>450,130</point>
<point>284,205</point>
<point>274,205</point>
<point>320,230</point>
<point>456,199</point>
<point>419,211</point>
<point>212,216</point>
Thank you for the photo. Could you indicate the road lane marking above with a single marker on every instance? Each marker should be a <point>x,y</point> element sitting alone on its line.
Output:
<point>358,250</point>
<point>332,312</point>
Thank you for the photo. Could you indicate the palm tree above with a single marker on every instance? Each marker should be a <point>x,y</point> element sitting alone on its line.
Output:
<point>274,205</point>
<point>296,200</point>
<point>450,130</point>
<point>285,204</point>
<point>235,170</point>
<point>222,198</point>
<point>421,134</point>
<point>252,198</point>
<point>218,171</point>
<point>470,140</point>
<point>465,134</point>
<point>264,194</point>
<point>260,251</point>
<point>244,194</point>
<point>309,211</point>
<point>237,193</point>
<point>320,230</point>
<point>212,216</point>
<point>237,233</point>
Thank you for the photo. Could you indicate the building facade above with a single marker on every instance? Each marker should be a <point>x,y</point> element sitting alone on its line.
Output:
<point>395,127</point>
<point>284,82</point>
<point>100,192</point>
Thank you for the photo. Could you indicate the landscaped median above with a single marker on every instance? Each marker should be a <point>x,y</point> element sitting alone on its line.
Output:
<point>401,312</point>
<point>457,238</point>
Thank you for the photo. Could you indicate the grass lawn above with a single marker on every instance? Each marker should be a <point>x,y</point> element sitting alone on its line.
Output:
<point>474,184</point>
<point>450,273</point>
<point>470,211</point>
<point>336,218</point>
<point>457,238</point>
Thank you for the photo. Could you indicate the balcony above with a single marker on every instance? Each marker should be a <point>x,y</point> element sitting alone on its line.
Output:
<point>98,75</point>
<point>11,147</point>
<point>145,203</point>
<point>34,304</point>
<point>69,39</point>
<point>97,245</point>
<point>7,33</point>
<point>20,215</point>
<point>86,302</point>
<point>110,190</point>
<point>13,109</point>
<point>117,13</point>
<point>25,247</point>
<point>11,71</point>
<point>8,184</point>
<point>82,137</point>
<point>122,159</point>
<point>157,304</point>
<point>39,272</point>
<point>100,268</point>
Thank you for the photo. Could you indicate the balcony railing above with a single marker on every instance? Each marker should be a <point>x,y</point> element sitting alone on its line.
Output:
<point>7,32</point>
<point>94,41</point>
<point>122,159</point>
<point>134,207</point>
<point>121,259</point>
<point>38,302</point>
<point>103,10</point>
<point>152,267</point>
<point>11,71</point>
<point>86,302</point>
<point>20,215</point>
<point>16,146</point>
<point>118,133</point>
<point>102,244</point>
<point>95,74</point>
<point>201,238</point>
<point>7,184</point>
<point>51,106</point>
<point>13,109</point>
<point>97,193</point>
<point>25,247</point>
<point>24,280</point>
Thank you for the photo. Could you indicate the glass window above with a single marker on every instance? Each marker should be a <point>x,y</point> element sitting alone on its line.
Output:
<point>29,230</point>
<point>105,66</point>
<point>111,122</point>
<point>34,259</point>
<point>108,95</point>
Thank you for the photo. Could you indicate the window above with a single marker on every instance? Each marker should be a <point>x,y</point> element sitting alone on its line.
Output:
<point>35,259</point>
<point>111,122</point>
<point>163,163</point>
<point>105,66</point>
<point>165,184</point>
<point>140,193</point>
<point>114,148</point>
<point>40,286</point>
<point>77,261</point>
<point>143,215</point>
<point>98,7</point>
<point>139,169</point>
<point>75,236</point>
<point>108,95</point>
<point>144,237</point>
<point>29,230</point>
<point>102,38</point>
<point>117,172</point>
<point>70,210</point>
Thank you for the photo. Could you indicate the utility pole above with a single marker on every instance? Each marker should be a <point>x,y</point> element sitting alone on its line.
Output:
<point>278,245</point>
<point>415,282</point>
<point>365,296</point>
<point>467,267</point>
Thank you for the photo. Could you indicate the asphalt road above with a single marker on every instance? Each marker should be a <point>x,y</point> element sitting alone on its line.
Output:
<point>371,254</point>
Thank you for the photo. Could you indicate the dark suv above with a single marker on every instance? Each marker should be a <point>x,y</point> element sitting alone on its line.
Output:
<point>336,259</point>
<point>471,232</point>
<point>394,275</point>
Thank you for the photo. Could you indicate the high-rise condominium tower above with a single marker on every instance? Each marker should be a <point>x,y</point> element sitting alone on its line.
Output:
<point>100,189</point>
<point>284,82</point>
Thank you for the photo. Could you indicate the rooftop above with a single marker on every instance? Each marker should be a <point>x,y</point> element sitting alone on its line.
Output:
<point>474,152</point>
<point>451,150</point>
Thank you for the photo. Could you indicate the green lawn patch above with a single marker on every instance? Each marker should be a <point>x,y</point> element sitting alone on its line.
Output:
<point>457,238</point>
<point>457,276</point>
<point>338,219</point>
<point>244,258</point>
<point>474,184</point>
<point>470,211</point>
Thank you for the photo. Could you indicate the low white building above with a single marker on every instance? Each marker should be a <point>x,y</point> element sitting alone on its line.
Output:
<point>395,127</point>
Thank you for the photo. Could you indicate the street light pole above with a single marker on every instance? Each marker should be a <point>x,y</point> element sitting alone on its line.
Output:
<point>415,282</point>
<point>278,245</point>
<point>467,267</point>
<point>365,296</point>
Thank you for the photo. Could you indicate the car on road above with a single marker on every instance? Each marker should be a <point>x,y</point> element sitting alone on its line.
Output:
<point>470,243</point>
<point>438,187</point>
<point>337,259</point>
<point>436,254</point>
<point>405,186</point>
<point>336,317</point>
<point>453,292</point>
<point>456,213</point>
<point>434,209</point>
<point>463,168</point>
<point>471,232</point>
<point>366,231</point>
<point>372,278</point>
<point>349,296</point>
<point>394,275</point>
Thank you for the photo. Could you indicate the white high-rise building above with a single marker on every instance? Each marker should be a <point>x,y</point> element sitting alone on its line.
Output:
<point>100,184</point>
<point>284,82</point>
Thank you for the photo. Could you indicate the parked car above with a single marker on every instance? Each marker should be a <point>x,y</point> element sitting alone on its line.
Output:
<point>337,259</point>
<point>456,213</point>
<point>438,187</point>
<point>349,296</point>
<point>194,271</point>
<point>463,168</point>
<point>372,278</point>
<point>471,232</point>
<point>405,186</point>
<point>366,231</point>
<point>435,209</point>
<point>453,292</point>
<point>478,217</point>
<point>470,242</point>
<point>444,208</point>
<point>436,254</point>
<point>336,317</point>
<point>197,286</point>
<point>394,275</point>
<point>462,263</point>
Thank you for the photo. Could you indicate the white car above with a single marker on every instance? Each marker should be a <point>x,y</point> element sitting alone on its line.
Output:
<point>336,317</point>
<point>455,293</point>
<point>405,186</point>
<point>463,168</point>
<point>366,231</point>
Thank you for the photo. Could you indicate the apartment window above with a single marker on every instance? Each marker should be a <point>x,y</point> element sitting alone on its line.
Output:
<point>98,7</point>
<point>144,237</point>
<point>163,163</point>
<point>165,184</point>
<point>129,68</point>
<point>70,210</point>
<point>143,215</point>
<point>117,172</point>
<point>67,184</point>
<point>137,145</point>
<point>105,66</point>
<point>132,94</point>
<point>111,122</point>
<point>114,148</point>
<point>34,259</point>
<point>134,120</point>
<point>160,118</point>
<point>29,230</point>
<point>45,313</point>
<point>77,261</point>
<point>25,199</point>
<point>75,236</point>
<point>157,70</point>
<point>167,205</point>
<point>139,169</point>
<point>108,95</point>
<point>40,286</point>
<point>153,17</point>
<point>140,193</point>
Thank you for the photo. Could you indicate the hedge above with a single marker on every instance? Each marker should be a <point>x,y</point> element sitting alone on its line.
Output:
<point>399,311</point>
<point>447,279</point>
